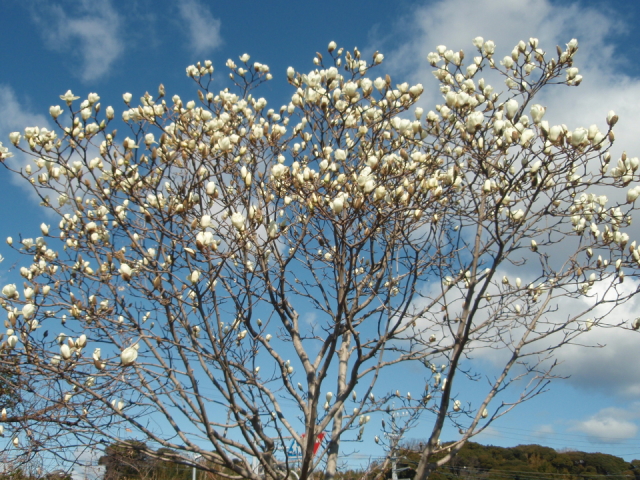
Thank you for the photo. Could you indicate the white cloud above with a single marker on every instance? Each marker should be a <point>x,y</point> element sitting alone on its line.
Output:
<point>613,367</point>
<point>544,431</point>
<point>602,359</point>
<point>14,116</point>
<point>203,27</point>
<point>488,436</point>
<point>83,31</point>
<point>609,425</point>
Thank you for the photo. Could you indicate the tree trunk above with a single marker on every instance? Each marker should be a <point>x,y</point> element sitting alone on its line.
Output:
<point>334,447</point>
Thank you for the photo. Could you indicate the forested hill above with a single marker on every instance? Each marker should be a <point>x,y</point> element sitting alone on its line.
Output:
<point>526,462</point>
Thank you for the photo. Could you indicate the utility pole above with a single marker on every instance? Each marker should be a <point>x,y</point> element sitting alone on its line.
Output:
<point>394,438</point>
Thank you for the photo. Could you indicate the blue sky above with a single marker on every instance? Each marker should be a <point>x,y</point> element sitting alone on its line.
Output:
<point>113,47</point>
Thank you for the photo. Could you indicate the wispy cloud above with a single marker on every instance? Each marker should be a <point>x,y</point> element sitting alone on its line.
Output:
<point>201,26</point>
<point>87,32</point>
<point>14,116</point>
<point>609,425</point>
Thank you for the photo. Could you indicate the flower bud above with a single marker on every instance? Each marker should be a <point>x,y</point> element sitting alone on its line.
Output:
<point>511,108</point>
<point>537,112</point>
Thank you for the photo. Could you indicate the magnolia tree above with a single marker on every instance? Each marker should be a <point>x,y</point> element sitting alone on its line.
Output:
<point>230,278</point>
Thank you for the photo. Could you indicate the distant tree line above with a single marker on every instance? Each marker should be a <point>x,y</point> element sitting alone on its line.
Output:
<point>132,461</point>
<point>524,462</point>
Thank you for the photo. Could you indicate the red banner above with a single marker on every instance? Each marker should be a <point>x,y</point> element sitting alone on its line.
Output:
<point>316,445</point>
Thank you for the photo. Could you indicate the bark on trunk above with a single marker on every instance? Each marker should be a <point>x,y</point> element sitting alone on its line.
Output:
<point>334,447</point>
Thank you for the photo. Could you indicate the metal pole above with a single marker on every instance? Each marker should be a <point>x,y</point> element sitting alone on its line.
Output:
<point>394,465</point>
<point>193,475</point>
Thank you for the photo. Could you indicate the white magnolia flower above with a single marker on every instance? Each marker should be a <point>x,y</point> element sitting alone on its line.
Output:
<point>554,133</point>
<point>129,355</point>
<point>489,47</point>
<point>194,276</point>
<point>537,112</point>
<point>526,137</point>
<point>474,121</point>
<point>508,62</point>
<point>28,310</point>
<point>205,221</point>
<point>511,108</point>
<point>278,170</point>
<point>237,220</point>
<point>69,97</point>
<point>81,342</point>
<point>55,111</point>
<point>578,136</point>
<point>9,290</point>
<point>126,272</point>
<point>4,152</point>
<point>65,351</point>
<point>273,230</point>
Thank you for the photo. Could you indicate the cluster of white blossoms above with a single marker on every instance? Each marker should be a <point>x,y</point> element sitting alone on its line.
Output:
<point>212,207</point>
<point>228,124</point>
